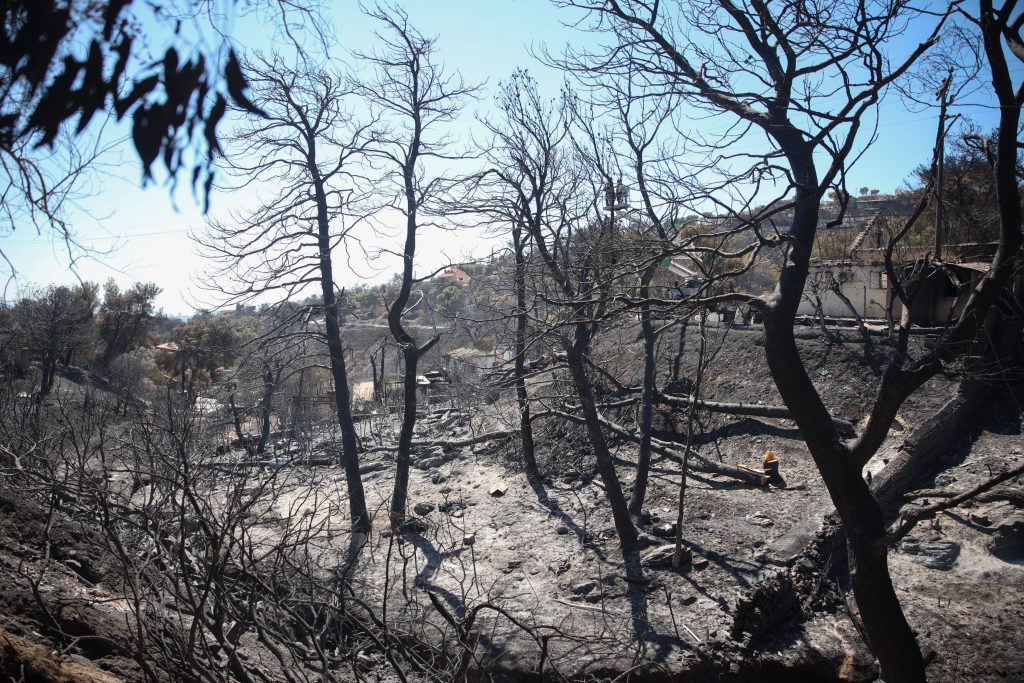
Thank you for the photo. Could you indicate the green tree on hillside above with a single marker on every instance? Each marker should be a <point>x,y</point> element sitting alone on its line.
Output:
<point>126,318</point>
<point>53,324</point>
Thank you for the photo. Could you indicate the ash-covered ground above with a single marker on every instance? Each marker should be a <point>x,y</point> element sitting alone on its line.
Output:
<point>539,566</point>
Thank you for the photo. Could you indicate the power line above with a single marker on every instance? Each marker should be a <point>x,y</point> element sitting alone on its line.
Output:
<point>78,238</point>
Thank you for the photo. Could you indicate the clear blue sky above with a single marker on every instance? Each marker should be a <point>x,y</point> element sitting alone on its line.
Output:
<point>145,232</point>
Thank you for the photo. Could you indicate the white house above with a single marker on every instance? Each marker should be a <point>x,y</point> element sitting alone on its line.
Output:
<point>861,283</point>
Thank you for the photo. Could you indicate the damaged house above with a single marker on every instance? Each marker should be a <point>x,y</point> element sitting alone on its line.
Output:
<point>848,279</point>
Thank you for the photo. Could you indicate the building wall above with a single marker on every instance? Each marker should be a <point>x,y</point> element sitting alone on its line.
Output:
<point>862,284</point>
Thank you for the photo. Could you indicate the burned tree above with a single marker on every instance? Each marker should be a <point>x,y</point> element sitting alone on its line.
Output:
<point>784,55</point>
<point>520,240</point>
<point>500,196</point>
<point>641,124</point>
<point>415,98</point>
<point>306,144</point>
<point>533,157</point>
<point>273,348</point>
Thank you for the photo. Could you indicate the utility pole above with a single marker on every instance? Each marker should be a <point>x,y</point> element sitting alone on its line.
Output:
<point>615,198</point>
<point>939,166</point>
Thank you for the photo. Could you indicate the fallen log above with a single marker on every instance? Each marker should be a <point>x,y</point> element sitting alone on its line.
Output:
<point>469,441</point>
<point>697,462</point>
<point>910,520</point>
<point>450,443</point>
<point>918,455</point>
<point>845,427</point>
<point>751,409</point>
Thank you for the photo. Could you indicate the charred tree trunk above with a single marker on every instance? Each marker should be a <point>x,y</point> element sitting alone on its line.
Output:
<point>522,321</point>
<point>299,405</point>
<point>888,632</point>
<point>265,410</point>
<point>624,525</point>
<point>400,493</point>
<point>677,361</point>
<point>378,375</point>
<point>410,352</point>
<point>691,413</point>
<point>406,344</point>
<point>645,412</point>
<point>342,397</point>
<point>236,419</point>
<point>49,371</point>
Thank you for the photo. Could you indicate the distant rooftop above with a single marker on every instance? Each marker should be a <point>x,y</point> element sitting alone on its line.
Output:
<point>457,274</point>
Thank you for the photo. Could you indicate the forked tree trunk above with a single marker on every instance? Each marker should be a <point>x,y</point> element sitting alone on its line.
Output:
<point>888,632</point>
<point>410,352</point>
